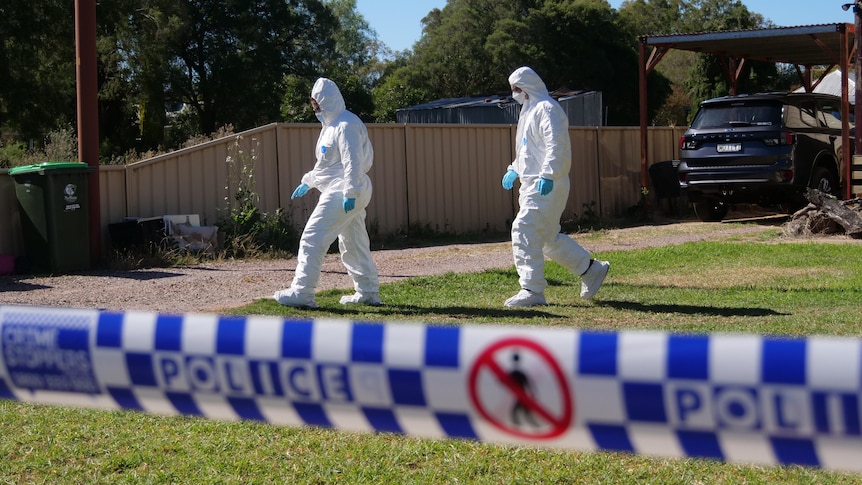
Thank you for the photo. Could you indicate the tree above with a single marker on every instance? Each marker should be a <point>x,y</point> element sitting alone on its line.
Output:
<point>145,31</point>
<point>128,117</point>
<point>396,91</point>
<point>451,59</point>
<point>356,64</point>
<point>229,58</point>
<point>37,67</point>
<point>653,17</point>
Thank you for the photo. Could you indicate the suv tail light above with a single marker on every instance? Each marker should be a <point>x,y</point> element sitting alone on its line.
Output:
<point>783,138</point>
<point>687,143</point>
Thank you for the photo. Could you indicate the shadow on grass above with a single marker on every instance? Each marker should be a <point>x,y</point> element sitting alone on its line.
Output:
<point>408,312</point>
<point>453,311</point>
<point>633,306</point>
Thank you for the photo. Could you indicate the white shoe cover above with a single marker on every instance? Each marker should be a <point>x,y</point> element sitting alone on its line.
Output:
<point>372,299</point>
<point>592,280</point>
<point>289,297</point>
<point>526,298</point>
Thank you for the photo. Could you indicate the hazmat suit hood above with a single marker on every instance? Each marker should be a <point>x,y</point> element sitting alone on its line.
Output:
<point>329,98</point>
<point>530,82</point>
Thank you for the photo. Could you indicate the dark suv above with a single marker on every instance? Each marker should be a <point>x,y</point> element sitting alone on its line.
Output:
<point>760,149</point>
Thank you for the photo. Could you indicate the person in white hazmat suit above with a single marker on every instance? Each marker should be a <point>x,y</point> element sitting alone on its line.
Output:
<point>542,164</point>
<point>344,156</point>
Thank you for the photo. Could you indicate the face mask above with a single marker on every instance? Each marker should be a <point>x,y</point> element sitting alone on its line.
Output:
<point>319,116</point>
<point>520,96</point>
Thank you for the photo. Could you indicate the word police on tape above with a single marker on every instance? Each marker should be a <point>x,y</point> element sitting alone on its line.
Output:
<point>740,398</point>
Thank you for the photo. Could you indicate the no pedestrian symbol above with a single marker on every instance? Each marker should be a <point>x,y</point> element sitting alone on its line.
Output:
<point>518,386</point>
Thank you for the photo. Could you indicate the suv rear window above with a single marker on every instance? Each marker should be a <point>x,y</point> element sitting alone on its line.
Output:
<point>738,114</point>
<point>831,113</point>
<point>804,116</point>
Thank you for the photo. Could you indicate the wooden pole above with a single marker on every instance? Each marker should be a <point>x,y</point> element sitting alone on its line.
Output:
<point>88,114</point>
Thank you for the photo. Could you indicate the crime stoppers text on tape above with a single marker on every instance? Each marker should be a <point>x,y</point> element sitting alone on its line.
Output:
<point>740,398</point>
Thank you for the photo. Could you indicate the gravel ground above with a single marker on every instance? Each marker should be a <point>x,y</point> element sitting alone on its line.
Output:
<point>216,286</point>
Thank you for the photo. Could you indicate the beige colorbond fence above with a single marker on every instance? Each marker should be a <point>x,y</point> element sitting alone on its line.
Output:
<point>442,177</point>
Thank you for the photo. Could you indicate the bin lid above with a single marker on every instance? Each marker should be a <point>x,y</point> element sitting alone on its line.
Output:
<point>48,166</point>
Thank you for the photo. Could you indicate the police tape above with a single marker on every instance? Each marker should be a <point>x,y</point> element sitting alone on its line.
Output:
<point>737,398</point>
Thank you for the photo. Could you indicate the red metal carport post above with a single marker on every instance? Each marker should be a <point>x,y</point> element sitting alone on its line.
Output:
<point>645,67</point>
<point>88,114</point>
<point>642,97</point>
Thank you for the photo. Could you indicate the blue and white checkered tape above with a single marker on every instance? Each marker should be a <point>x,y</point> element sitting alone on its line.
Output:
<point>737,398</point>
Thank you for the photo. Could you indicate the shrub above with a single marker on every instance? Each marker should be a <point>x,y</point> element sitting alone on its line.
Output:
<point>60,146</point>
<point>11,154</point>
<point>248,231</point>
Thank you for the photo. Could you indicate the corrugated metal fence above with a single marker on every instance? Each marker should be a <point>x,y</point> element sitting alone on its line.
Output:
<point>440,177</point>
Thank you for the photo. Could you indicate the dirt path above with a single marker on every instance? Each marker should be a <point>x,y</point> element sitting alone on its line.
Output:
<point>226,284</point>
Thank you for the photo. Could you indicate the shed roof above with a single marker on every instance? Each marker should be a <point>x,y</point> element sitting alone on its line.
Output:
<point>493,99</point>
<point>583,108</point>
<point>807,45</point>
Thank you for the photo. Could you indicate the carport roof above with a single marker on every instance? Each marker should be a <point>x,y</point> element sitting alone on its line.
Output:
<point>809,45</point>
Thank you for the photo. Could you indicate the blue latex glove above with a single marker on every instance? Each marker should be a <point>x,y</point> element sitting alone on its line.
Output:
<point>545,186</point>
<point>301,190</point>
<point>509,179</point>
<point>348,204</point>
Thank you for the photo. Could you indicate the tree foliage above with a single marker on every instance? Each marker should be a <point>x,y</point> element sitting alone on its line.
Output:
<point>355,64</point>
<point>396,90</point>
<point>230,57</point>
<point>37,67</point>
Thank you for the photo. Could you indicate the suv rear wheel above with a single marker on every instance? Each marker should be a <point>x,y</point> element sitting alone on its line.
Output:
<point>710,210</point>
<point>824,180</point>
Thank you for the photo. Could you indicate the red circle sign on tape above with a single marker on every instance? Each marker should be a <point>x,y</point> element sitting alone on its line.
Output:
<point>518,386</point>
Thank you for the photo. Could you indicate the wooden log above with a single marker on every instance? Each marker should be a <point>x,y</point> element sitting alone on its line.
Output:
<point>840,212</point>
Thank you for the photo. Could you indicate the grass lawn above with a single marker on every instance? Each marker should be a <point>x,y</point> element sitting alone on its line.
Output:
<point>767,286</point>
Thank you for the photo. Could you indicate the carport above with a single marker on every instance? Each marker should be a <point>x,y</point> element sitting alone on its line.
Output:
<point>804,47</point>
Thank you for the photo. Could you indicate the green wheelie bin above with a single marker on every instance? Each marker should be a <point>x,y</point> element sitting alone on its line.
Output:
<point>55,221</point>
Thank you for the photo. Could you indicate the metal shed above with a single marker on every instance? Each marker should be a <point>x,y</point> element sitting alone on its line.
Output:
<point>804,47</point>
<point>584,108</point>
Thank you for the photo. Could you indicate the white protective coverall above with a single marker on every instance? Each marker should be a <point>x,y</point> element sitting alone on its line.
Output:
<point>344,156</point>
<point>543,151</point>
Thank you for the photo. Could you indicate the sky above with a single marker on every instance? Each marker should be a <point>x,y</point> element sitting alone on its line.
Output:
<point>398,24</point>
